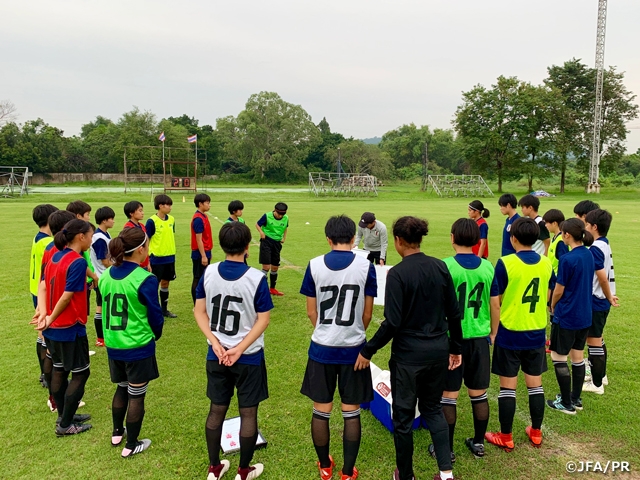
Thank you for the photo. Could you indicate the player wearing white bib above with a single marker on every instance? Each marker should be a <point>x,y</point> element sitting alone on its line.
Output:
<point>340,287</point>
<point>232,310</point>
<point>604,297</point>
<point>100,259</point>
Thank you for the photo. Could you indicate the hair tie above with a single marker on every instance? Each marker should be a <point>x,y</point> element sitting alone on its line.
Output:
<point>64,230</point>
<point>134,249</point>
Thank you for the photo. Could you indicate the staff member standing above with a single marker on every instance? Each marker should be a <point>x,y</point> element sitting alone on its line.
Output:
<point>420,309</point>
<point>374,233</point>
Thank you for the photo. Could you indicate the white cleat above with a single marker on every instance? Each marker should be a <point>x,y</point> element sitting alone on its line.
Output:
<point>141,446</point>
<point>256,471</point>
<point>225,467</point>
<point>605,380</point>
<point>590,387</point>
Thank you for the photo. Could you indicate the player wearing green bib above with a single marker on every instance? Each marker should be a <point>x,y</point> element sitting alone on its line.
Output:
<point>472,277</point>
<point>553,220</point>
<point>235,211</point>
<point>132,322</point>
<point>519,295</point>
<point>272,227</point>
<point>42,239</point>
<point>161,230</point>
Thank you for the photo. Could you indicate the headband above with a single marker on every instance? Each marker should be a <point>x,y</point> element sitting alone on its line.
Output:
<point>473,208</point>
<point>134,249</point>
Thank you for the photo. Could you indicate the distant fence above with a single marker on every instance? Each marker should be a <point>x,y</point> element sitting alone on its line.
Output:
<point>47,178</point>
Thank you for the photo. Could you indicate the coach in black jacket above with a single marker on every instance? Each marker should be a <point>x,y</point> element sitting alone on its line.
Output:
<point>420,308</point>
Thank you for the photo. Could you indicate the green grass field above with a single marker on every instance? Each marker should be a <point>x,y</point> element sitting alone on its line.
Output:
<point>177,405</point>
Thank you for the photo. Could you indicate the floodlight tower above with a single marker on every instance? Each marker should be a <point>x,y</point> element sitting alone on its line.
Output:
<point>594,171</point>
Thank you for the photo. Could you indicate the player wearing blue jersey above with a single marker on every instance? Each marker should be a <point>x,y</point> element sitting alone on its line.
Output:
<point>232,311</point>
<point>598,223</point>
<point>571,309</point>
<point>340,287</point>
<point>508,204</point>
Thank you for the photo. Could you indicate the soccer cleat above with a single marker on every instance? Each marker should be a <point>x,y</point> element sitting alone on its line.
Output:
<point>590,387</point>
<point>140,447</point>
<point>72,429</point>
<point>547,343</point>
<point>92,353</point>
<point>353,476</point>
<point>326,473</point>
<point>99,342</point>
<point>43,381</point>
<point>502,440</point>
<point>476,449</point>
<point>535,436</point>
<point>577,404</point>
<point>275,292</point>
<point>51,403</point>
<point>396,475</point>
<point>215,473</point>
<point>558,405</point>
<point>250,473</point>
<point>81,404</point>
<point>605,380</point>
<point>116,438</point>
<point>432,452</point>
<point>438,477</point>
<point>76,418</point>
<point>169,314</point>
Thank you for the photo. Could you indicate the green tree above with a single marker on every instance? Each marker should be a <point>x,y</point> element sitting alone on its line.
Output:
<point>318,160</point>
<point>576,82</point>
<point>359,157</point>
<point>489,122</point>
<point>405,145</point>
<point>270,137</point>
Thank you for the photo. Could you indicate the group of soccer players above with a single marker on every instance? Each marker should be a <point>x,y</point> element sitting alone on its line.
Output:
<point>441,316</point>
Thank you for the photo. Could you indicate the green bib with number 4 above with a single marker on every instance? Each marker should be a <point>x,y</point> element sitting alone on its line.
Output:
<point>124,318</point>
<point>524,302</point>
<point>473,287</point>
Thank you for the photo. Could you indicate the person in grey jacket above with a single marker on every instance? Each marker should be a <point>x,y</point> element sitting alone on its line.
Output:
<point>374,233</point>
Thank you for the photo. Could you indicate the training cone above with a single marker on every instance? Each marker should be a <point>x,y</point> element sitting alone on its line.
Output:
<point>183,199</point>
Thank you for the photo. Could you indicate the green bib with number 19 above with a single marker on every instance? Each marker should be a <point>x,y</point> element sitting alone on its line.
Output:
<point>124,318</point>
<point>473,288</point>
<point>524,303</point>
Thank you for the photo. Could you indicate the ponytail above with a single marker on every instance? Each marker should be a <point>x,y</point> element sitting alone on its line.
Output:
<point>72,228</point>
<point>128,241</point>
<point>575,227</point>
<point>479,207</point>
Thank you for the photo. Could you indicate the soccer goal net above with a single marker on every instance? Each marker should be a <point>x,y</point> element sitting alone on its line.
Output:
<point>342,184</point>
<point>458,186</point>
<point>14,181</point>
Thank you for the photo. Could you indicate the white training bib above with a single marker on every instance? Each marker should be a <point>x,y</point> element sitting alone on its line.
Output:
<point>608,268</point>
<point>98,267</point>
<point>538,247</point>
<point>340,301</point>
<point>230,306</point>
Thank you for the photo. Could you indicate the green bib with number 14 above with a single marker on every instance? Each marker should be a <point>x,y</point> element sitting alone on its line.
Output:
<point>124,318</point>
<point>473,288</point>
<point>524,302</point>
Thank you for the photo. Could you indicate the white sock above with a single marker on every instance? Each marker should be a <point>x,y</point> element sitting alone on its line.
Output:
<point>446,476</point>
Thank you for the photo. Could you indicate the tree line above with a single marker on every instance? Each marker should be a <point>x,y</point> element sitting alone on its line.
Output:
<point>508,131</point>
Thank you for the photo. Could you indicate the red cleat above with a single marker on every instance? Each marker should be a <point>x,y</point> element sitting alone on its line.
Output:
<point>99,342</point>
<point>535,436</point>
<point>275,292</point>
<point>326,473</point>
<point>349,477</point>
<point>502,440</point>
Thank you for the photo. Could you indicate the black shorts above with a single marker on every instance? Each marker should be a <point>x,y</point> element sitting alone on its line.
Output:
<point>98,297</point>
<point>475,368</point>
<point>374,257</point>
<point>598,321</point>
<point>320,379</point>
<point>249,380</point>
<point>198,269</point>
<point>507,363</point>
<point>71,356</point>
<point>136,372</point>
<point>563,340</point>
<point>164,271</point>
<point>270,252</point>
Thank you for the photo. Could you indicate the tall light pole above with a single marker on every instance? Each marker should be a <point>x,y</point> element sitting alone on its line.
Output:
<point>594,170</point>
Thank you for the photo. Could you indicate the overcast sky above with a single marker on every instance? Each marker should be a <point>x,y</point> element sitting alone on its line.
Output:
<point>367,66</point>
